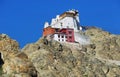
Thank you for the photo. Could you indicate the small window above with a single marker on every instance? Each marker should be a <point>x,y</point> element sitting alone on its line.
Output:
<point>70,37</point>
<point>58,39</point>
<point>62,36</point>
<point>61,24</point>
<point>65,36</point>
<point>56,30</point>
<point>70,32</point>
<point>58,36</point>
<point>62,39</point>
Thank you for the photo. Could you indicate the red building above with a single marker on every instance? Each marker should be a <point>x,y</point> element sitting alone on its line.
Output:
<point>69,34</point>
<point>48,31</point>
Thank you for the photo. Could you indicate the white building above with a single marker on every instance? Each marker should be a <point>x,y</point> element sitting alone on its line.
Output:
<point>69,19</point>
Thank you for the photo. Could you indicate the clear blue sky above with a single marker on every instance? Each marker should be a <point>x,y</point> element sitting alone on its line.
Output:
<point>23,20</point>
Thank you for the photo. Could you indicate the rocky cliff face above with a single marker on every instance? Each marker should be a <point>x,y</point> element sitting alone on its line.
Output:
<point>48,58</point>
<point>16,63</point>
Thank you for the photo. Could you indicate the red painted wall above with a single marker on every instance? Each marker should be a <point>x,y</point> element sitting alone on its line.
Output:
<point>48,31</point>
<point>69,34</point>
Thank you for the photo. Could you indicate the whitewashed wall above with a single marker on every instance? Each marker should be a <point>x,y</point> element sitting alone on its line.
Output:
<point>82,39</point>
<point>67,22</point>
<point>61,39</point>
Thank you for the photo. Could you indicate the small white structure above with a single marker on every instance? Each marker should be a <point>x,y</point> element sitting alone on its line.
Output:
<point>59,37</point>
<point>46,25</point>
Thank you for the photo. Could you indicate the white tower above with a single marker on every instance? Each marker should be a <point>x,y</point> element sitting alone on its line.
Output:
<point>46,25</point>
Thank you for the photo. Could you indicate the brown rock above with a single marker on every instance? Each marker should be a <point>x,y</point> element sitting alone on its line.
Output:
<point>16,63</point>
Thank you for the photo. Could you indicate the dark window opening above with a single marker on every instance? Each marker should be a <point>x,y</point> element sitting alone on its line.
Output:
<point>58,39</point>
<point>70,32</point>
<point>61,24</point>
<point>56,30</point>
<point>65,36</point>
<point>62,36</point>
<point>58,36</point>
<point>70,37</point>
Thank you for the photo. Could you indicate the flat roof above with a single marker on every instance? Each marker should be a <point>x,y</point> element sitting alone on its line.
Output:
<point>69,14</point>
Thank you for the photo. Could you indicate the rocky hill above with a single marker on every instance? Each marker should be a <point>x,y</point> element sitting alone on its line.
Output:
<point>49,58</point>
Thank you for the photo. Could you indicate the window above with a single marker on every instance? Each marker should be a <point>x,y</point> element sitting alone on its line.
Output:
<point>62,39</point>
<point>62,36</point>
<point>70,37</point>
<point>70,32</point>
<point>58,36</point>
<point>61,24</point>
<point>65,36</point>
<point>56,30</point>
<point>58,39</point>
